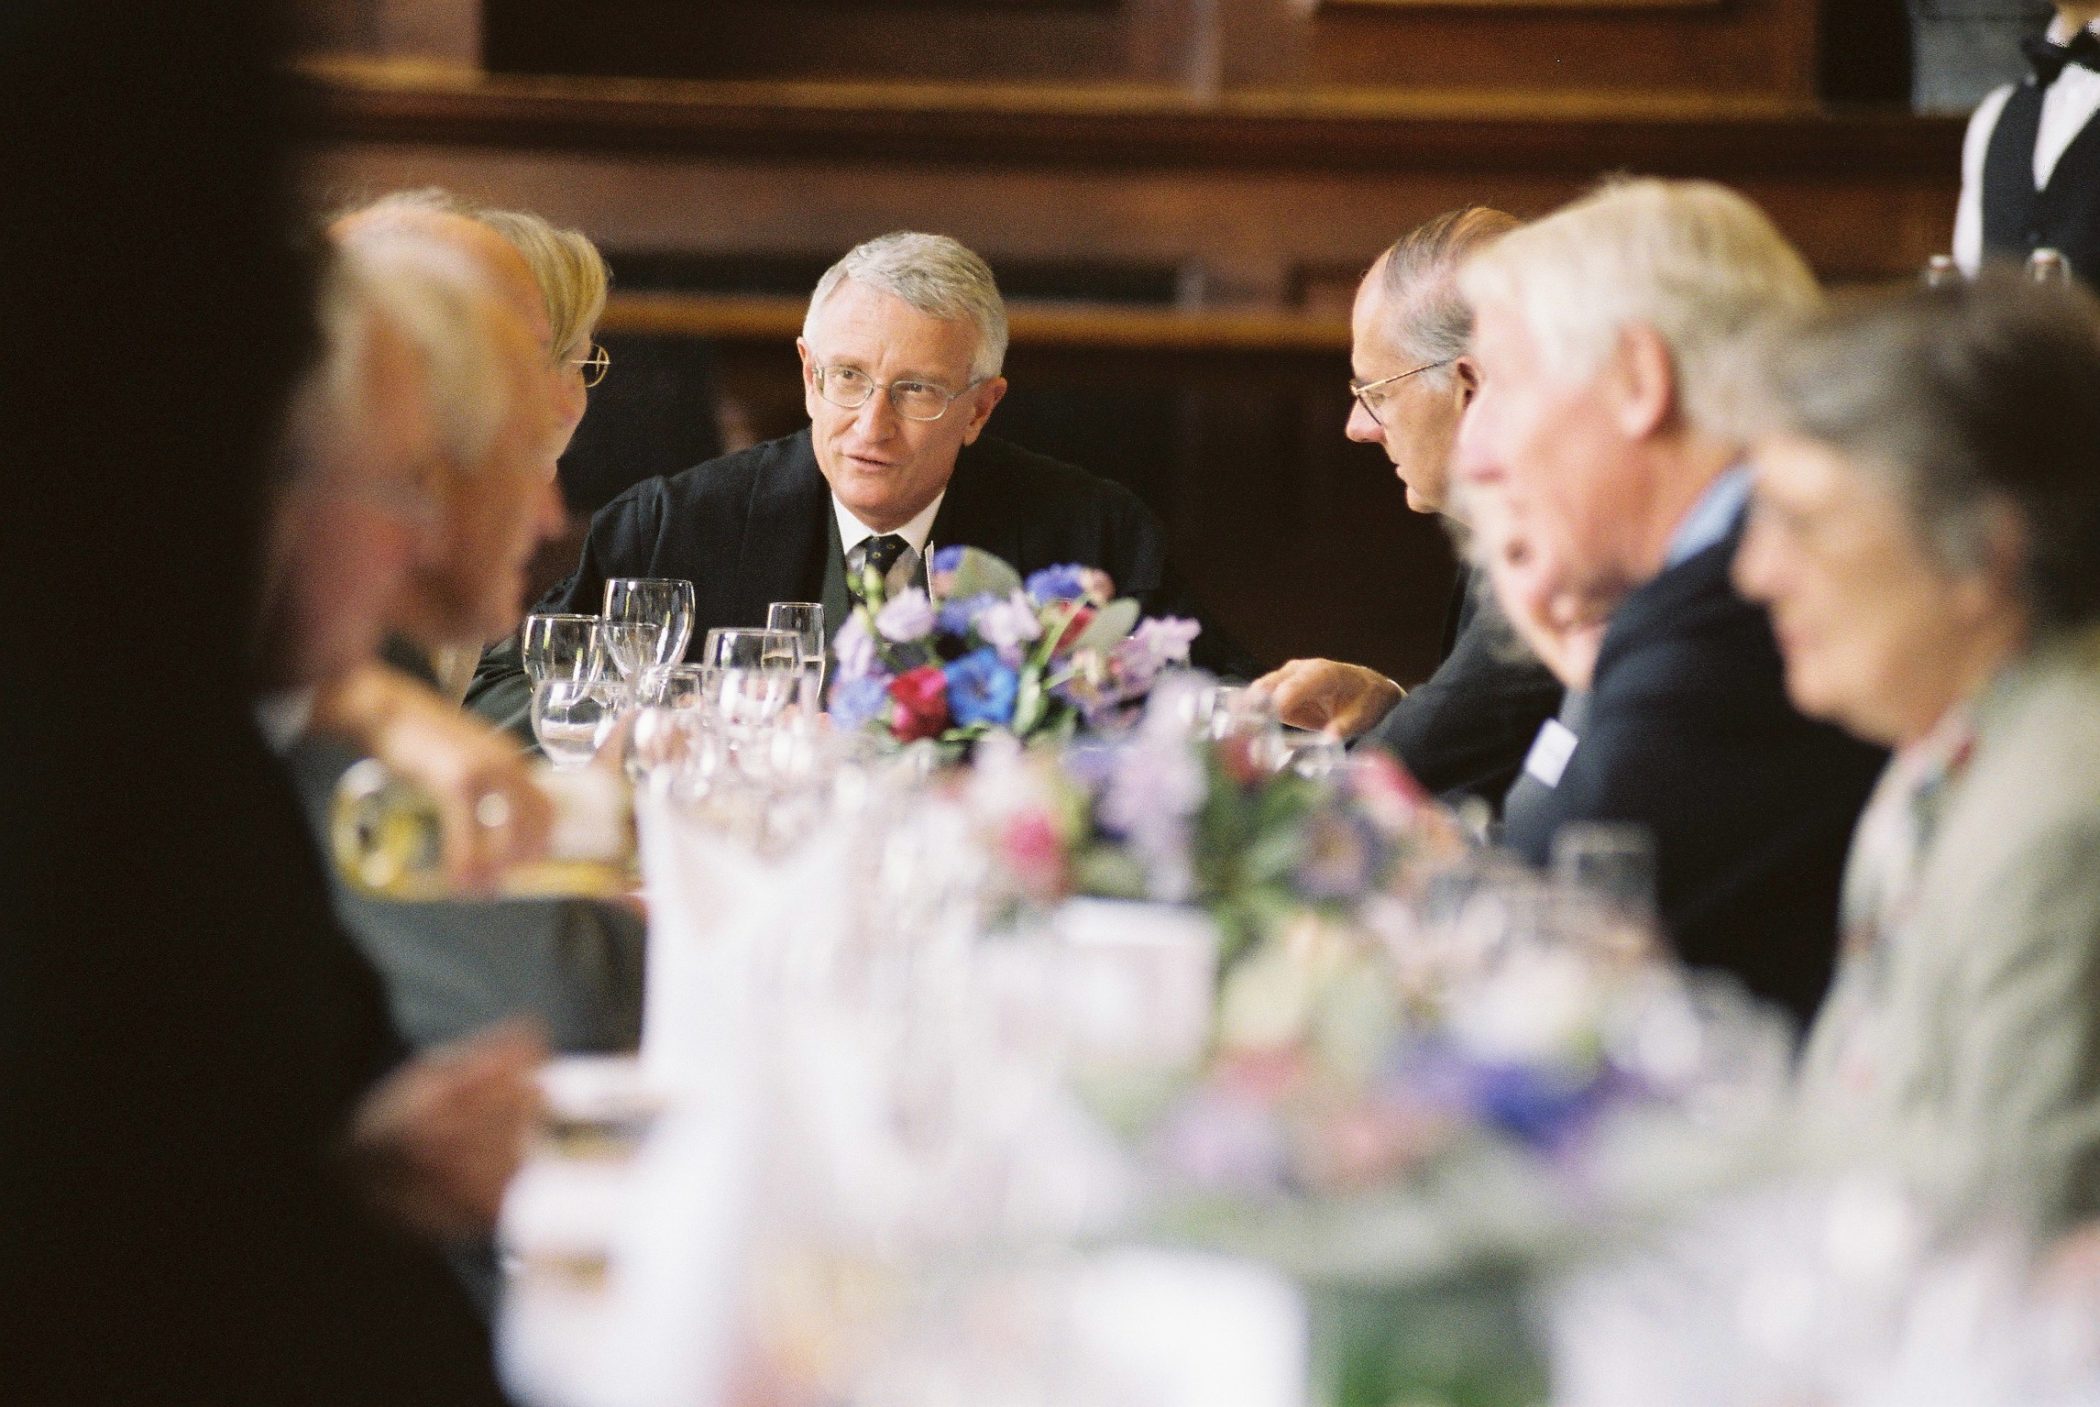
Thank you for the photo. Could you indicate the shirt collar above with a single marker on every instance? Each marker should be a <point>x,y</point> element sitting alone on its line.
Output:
<point>853,532</point>
<point>1712,516</point>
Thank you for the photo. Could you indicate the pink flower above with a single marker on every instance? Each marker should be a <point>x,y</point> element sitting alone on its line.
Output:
<point>922,703</point>
<point>1035,853</point>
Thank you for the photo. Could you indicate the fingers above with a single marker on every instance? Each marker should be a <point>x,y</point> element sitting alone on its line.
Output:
<point>1301,693</point>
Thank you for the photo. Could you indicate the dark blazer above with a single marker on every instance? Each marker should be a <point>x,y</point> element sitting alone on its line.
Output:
<point>1689,732</point>
<point>1464,730</point>
<point>754,527</point>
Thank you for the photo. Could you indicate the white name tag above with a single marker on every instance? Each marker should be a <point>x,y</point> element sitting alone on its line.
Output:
<point>1550,752</point>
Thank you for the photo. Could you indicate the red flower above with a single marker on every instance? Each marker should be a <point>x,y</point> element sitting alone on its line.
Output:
<point>1081,619</point>
<point>922,703</point>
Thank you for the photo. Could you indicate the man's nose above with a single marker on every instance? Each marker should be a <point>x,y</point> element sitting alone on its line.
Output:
<point>876,417</point>
<point>1361,427</point>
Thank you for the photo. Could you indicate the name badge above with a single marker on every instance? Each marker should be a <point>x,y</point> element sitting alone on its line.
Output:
<point>1550,752</point>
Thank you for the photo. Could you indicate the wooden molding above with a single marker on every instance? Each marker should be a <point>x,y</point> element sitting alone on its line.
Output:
<point>1125,126</point>
<point>1548,6</point>
<point>1065,326</point>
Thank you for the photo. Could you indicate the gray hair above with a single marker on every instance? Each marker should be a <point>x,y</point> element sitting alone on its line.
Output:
<point>934,274</point>
<point>1966,402</point>
<point>1419,285</point>
<point>1695,261</point>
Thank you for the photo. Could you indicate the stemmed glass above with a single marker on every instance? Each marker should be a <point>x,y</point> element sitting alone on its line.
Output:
<point>562,643</point>
<point>635,647</point>
<point>758,668</point>
<point>571,717</point>
<point>664,601</point>
<point>805,620</point>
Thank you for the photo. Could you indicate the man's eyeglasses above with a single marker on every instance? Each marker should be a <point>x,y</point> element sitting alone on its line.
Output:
<point>849,389</point>
<point>1369,393</point>
<point>595,363</point>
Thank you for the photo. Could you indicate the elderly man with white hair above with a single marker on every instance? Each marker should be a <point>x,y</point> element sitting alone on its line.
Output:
<point>1606,336</point>
<point>901,353</point>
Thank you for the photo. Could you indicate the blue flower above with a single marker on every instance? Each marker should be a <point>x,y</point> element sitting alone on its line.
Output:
<point>1065,583</point>
<point>946,559</point>
<point>855,701</point>
<point>981,689</point>
<point>959,616</point>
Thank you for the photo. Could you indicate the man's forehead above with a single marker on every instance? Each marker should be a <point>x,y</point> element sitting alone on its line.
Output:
<point>863,324</point>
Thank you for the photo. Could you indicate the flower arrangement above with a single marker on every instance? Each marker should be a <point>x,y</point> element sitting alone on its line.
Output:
<point>1164,812</point>
<point>983,651</point>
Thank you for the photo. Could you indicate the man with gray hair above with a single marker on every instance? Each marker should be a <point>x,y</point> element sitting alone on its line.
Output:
<point>1607,336</point>
<point>901,357</point>
<point>1464,731</point>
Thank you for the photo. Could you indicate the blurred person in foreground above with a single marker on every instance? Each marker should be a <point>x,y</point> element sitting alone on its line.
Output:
<point>901,356</point>
<point>1605,336</point>
<point>187,1041</point>
<point>1464,731</point>
<point>453,967</point>
<point>1925,524</point>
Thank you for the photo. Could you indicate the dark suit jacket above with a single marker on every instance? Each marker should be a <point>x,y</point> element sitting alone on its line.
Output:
<point>753,527</point>
<point>1464,730</point>
<point>1689,732</point>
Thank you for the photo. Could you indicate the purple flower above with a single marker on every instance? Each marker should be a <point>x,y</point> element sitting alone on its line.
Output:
<point>942,567</point>
<point>856,701</point>
<point>1065,583</point>
<point>1008,625</point>
<point>906,617</point>
<point>854,648</point>
<point>1166,639</point>
<point>981,689</point>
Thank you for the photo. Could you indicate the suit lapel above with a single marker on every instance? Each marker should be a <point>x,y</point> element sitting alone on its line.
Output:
<point>781,556</point>
<point>976,513</point>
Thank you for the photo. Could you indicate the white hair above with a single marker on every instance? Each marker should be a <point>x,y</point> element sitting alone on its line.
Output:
<point>934,274</point>
<point>1695,261</point>
<point>443,308</point>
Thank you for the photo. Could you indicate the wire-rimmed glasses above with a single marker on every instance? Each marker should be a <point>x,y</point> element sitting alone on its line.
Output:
<point>1369,393</point>
<point>850,388</point>
<point>594,363</point>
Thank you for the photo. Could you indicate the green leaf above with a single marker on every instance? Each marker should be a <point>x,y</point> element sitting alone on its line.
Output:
<point>1109,626</point>
<point>979,572</point>
<point>1029,700</point>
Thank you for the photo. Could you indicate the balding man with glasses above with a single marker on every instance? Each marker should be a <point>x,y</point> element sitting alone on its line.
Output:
<point>901,354</point>
<point>1464,731</point>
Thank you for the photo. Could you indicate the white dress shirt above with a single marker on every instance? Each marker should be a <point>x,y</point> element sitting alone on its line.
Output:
<point>853,532</point>
<point>2068,105</point>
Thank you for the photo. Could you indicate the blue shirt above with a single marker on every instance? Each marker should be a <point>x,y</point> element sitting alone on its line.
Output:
<point>1712,516</point>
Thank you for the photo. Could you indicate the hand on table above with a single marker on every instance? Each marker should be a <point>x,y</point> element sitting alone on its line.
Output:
<point>1342,700</point>
<point>434,1144</point>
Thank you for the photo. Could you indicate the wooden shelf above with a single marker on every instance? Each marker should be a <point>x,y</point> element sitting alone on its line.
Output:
<point>1041,325</point>
<point>1124,126</point>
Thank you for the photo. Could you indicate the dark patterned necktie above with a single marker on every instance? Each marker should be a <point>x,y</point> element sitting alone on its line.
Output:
<point>2050,60</point>
<point>880,552</point>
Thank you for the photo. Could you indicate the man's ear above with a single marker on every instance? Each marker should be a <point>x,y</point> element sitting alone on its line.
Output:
<point>809,378</point>
<point>1466,371</point>
<point>983,401</point>
<point>1642,381</point>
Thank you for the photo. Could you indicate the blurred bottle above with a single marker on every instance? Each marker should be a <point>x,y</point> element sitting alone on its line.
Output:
<point>388,838</point>
<point>1942,272</point>
<point>2049,266</point>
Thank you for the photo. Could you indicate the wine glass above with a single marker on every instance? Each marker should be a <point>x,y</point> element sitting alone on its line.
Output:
<point>562,643</point>
<point>679,686</point>
<point>634,647</point>
<point>667,601</point>
<point>746,647</point>
<point>570,717</point>
<point>805,620</point>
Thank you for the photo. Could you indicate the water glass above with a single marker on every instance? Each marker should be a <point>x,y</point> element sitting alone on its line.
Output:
<point>805,621</point>
<point>665,601</point>
<point>570,717</point>
<point>562,643</point>
<point>1612,861</point>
